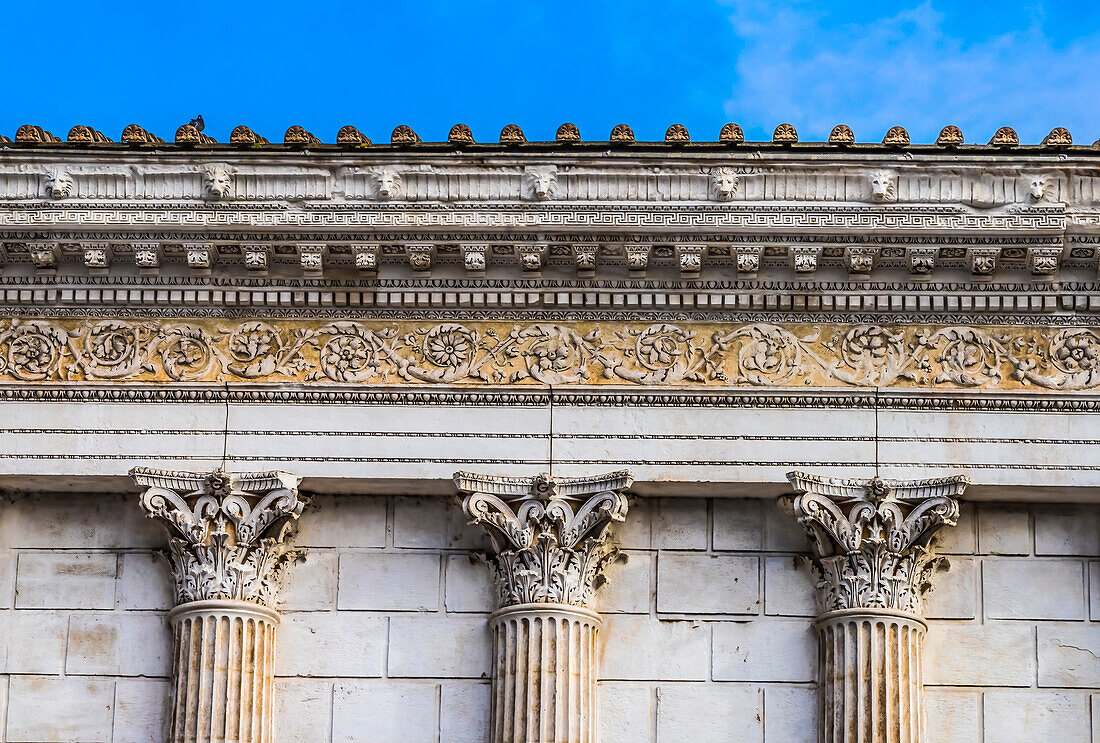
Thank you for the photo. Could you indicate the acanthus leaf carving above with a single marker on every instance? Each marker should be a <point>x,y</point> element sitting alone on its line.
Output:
<point>549,535</point>
<point>871,538</point>
<point>227,531</point>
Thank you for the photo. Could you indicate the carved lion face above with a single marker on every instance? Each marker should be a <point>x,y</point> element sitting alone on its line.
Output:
<point>1038,186</point>
<point>884,186</point>
<point>389,183</point>
<point>540,181</point>
<point>217,182</point>
<point>724,183</point>
<point>59,184</point>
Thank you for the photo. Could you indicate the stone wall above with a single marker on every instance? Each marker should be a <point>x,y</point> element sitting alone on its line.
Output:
<point>707,632</point>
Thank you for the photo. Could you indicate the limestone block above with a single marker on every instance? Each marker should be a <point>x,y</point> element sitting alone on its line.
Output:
<point>384,711</point>
<point>435,523</point>
<point>65,580</point>
<point>1094,592</point>
<point>1004,529</point>
<point>1069,655</point>
<point>386,581</point>
<point>790,714</point>
<point>1067,530</point>
<point>70,521</point>
<point>709,713</point>
<point>680,524</point>
<point>952,716</point>
<point>979,654</point>
<point>764,650</point>
<point>62,709</point>
<point>439,646</point>
<point>961,539</point>
<point>331,644</point>
<point>310,584</point>
<point>303,710</point>
<point>788,588</point>
<point>674,650</point>
<point>343,521</point>
<point>7,574</point>
<point>141,710</point>
<point>782,533</point>
<point>1033,589</point>
<point>144,582</point>
<point>33,641</point>
<point>627,712</point>
<point>1096,718</point>
<point>468,585</point>
<point>464,712</point>
<point>629,585</point>
<point>707,584</point>
<point>739,523</point>
<point>3,704</point>
<point>119,644</point>
<point>1026,717</point>
<point>955,595</point>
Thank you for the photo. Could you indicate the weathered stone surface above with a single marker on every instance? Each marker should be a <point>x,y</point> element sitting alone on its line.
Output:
<point>141,711</point>
<point>343,521</point>
<point>331,644</point>
<point>628,589</point>
<point>82,522</point>
<point>1001,654</point>
<point>144,582</point>
<point>433,522</point>
<point>33,641</point>
<point>60,709</point>
<point>373,711</point>
<point>709,713</point>
<point>1067,530</point>
<point>788,587</point>
<point>1025,717</point>
<point>438,646</point>
<point>675,650</point>
<point>1094,591</point>
<point>707,584</point>
<point>961,539</point>
<point>468,585</point>
<point>119,644</point>
<point>953,716</point>
<point>1033,589</point>
<point>1069,655</point>
<point>65,580</point>
<point>386,581</point>
<point>304,710</point>
<point>680,524</point>
<point>464,712</point>
<point>746,651</point>
<point>739,524</point>
<point>790,714</point>
<point>1004,530</point>
<point>311,585</point>
<point>956,592</point>
<point>627,712</point>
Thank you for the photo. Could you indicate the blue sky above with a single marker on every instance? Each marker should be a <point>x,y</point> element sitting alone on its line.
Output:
<point>431,64</point>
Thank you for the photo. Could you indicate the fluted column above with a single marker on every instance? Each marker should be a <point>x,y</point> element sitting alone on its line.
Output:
<point>550,547</point>
<point>872,564</point>
<point>228,552</point>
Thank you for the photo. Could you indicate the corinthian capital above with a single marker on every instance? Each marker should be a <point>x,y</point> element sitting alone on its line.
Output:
<point>871,537</point>
<point>549,534</point>
<point>228,530</point>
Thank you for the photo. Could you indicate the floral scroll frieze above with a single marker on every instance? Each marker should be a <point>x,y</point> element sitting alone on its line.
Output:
<point>567,353</point>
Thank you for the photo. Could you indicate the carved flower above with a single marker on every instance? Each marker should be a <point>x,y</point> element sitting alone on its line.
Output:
<point>110,343</point>
<point>1078,353</point>
<point>554,353</point>
<point>869,342</point>
<point>659,346</point>
<point>448,345</point>
<point>346,357</point>
<point>186,354</point>
<point>252,340</point>
<point>33,355</point>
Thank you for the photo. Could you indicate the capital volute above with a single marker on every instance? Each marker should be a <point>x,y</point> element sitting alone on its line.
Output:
<point>549,535</point>
<point>227,530</point>
<point>871,537</point>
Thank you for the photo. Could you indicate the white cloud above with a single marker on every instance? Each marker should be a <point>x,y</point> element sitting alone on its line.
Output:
<point>906,70</point>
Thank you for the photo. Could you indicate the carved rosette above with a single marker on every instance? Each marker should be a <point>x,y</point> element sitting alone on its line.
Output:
<point>228,530</point>
<point>873,563</point>
<point>549,534</point>
<point>550,545</point>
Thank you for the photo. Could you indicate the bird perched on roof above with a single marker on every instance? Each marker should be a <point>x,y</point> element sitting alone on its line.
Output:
<point>197,123</point>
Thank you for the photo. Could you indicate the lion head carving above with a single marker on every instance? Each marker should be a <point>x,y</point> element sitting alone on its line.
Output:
<point>884,185</point>
<point>388,181</point>
<point>724,182</point>
<point>59,184</point>
<point>539,181</point>
<point>217,182</point>
<point>1038,186</point>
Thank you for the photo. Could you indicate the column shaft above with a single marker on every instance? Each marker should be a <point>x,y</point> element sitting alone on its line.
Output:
<point>224,675</point>
<point>544,687</point>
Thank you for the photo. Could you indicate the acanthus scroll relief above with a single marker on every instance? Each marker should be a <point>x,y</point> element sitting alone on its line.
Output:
<point>659,354</point>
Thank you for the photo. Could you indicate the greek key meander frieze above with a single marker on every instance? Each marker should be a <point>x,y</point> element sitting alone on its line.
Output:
<point>494,353</point>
